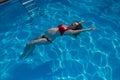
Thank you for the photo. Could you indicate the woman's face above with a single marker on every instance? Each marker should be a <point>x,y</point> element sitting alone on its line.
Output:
<point>73,25</point>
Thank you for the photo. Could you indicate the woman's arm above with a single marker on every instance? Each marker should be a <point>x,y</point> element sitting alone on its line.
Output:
<point>87,29</point>
<point>68,32</point>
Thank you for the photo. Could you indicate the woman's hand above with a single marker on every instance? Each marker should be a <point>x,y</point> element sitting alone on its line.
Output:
<point>82,21</point>
<point>93,28</point>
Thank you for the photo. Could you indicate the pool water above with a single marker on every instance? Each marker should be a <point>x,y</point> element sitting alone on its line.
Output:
<point>94,55</point>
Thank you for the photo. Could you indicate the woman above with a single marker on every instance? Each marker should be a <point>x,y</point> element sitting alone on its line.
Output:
<point>51,34</point>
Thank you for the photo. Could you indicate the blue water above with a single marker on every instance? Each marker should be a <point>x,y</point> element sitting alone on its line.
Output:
<point>94,55</point>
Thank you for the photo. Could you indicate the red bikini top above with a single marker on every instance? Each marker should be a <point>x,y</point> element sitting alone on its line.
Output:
<point>62,29</point>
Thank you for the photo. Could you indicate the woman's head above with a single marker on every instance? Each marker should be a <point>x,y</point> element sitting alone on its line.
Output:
<point>75,26</point>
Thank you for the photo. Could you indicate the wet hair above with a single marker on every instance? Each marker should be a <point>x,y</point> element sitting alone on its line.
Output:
<point>78,27</point>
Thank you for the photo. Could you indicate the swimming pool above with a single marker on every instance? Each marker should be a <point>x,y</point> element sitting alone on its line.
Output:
<point>94,55</point>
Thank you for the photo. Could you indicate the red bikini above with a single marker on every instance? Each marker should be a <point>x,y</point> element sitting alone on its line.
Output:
<point>62,29</point>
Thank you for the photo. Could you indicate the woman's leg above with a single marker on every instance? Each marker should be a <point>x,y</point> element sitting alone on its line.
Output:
<point>27,50</point>
<point>30,46</point>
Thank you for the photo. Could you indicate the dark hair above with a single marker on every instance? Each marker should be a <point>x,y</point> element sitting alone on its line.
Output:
<point>78,27</point>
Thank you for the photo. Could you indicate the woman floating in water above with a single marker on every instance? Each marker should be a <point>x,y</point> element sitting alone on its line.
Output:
<point>51,34</point>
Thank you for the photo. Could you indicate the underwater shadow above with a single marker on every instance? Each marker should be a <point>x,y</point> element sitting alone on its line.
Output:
<point>46,70</point>
<point>26,72</point>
